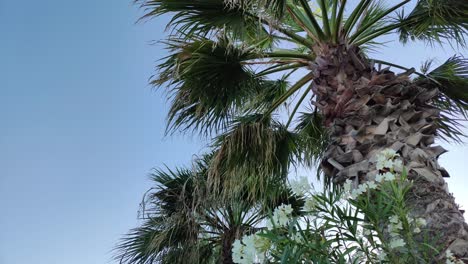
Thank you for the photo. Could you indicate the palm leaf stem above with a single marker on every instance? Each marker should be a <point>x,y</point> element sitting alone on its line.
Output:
<point>312,19</point>
<point>399,67</point>
<point>353,18</point>
<point>338,21</point>
<point>288,55</point>
<point>333,20</point>
<point>278,68</point>
<point>272,62</point>
<point>382,31</point>
<point>308,77</point>
<point>325,20</point>
<point>293,36</point>
<point>304,95</point>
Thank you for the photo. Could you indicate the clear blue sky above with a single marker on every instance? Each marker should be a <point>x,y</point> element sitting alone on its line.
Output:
<point>80,128</point>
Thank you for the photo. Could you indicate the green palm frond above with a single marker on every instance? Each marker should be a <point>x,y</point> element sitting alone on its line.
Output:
<point>254,155</point>
<point>156,238</point>
<point>202,17</point>
<point>373,20</point>
<point>435,21</point>
<point>273,7</point>
<point>451,78</point>
<point>168,221</point>
<point>208,83</point>
<point>313,140</point>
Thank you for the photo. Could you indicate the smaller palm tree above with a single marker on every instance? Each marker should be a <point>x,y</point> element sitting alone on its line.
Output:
<point>183,221</point>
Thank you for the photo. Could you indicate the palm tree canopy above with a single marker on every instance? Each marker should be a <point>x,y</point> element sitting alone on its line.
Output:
<point>231,64</point>
<point>183,221</point>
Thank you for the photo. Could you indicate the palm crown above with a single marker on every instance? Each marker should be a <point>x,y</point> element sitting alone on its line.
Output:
<point>225,56</point>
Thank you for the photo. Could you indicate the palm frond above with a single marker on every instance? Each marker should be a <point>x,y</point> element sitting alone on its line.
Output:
<point>375,18</point>
<point>202,17</point>
<point>208,83</point>
<point>435,21</point>
<point>156,238</point>
<point>451,78</point>
<point>254,155</point>
<point>273,7</point>
<point>313,138</point>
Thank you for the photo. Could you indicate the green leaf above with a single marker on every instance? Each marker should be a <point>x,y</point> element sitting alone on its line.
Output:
<point>435,21</point>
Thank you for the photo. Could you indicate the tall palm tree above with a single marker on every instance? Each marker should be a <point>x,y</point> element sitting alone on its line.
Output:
<point>183,222</point>
<point>222,76</point>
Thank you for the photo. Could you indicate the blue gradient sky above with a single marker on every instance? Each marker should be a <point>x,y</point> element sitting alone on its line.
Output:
<point>80,128</point>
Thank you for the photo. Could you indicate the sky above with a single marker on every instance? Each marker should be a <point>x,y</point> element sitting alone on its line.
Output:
<point>81,128</point>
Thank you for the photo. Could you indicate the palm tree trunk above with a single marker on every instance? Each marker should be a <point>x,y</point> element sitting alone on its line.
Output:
<point>366,111</point>
<point>229,237</point>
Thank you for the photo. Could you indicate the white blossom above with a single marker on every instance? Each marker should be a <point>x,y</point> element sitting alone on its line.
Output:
<point>416,230</point>
<point>281,215</point>
<point>388,176</point>
<point>249,250</point>
<point>347,186</point>
<point>309,205</point>
<point>388,153</point>
<point>371,185</point>
<point>397,242</point>
<point>300,186</point>
<point>421,222</point>
<point>379,177</point>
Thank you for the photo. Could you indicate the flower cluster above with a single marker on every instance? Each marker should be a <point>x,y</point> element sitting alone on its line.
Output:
<point>281,216</point>
<point>302,187</point>
<point>362,188</point>
<point>395,226</point>
<point>387,159</point>
<point>451,259</point>
<point>250,249</point>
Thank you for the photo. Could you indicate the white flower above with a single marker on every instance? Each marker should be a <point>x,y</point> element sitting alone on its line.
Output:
<point>247,250</point>
<point>371,185</point>
<point>237,252</point>
<point>300,186</point>
<point>281,215</point>
<point>448,253</point>
<point>362,188</point>
<point>388,153</point>
<point>347,186</point>
<point>388,164</point>
<point>388,176</point>
<point>397,242</point>
<point>309,205</point>
<point>421,222</point>
<point>394,219</point>
<point>379,177</point>
<point>417,230</point>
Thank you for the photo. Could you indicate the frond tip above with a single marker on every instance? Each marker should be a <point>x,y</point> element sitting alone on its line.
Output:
<point>451,78</point>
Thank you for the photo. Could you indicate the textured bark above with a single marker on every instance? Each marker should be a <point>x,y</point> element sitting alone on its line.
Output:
<point>367,111</point>
<point>229,237</point>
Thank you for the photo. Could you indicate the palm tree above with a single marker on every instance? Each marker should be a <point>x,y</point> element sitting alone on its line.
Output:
<point>222,78</point>
<point>183,222</point>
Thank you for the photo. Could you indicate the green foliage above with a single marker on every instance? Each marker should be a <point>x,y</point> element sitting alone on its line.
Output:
<point>369,223</point>
<point>435,21</point>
